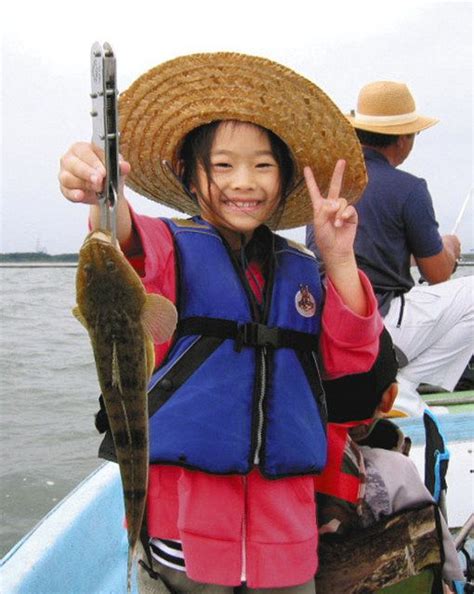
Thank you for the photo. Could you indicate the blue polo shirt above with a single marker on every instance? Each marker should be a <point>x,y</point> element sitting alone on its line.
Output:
<point>396,219</point>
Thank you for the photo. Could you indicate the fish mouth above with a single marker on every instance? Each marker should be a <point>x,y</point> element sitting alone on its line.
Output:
<point>99,236</point>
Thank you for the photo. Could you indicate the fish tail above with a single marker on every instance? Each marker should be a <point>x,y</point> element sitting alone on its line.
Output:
<point>131,555</point>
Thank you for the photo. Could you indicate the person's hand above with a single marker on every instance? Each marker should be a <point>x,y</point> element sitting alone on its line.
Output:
<point>452,245</point>
<point>335,221</point>
<point>82,173</point>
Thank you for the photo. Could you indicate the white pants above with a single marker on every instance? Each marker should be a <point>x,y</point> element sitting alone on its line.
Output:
<point>436,333</point>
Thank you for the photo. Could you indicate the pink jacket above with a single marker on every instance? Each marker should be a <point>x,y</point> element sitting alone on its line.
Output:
<point>236,528</point>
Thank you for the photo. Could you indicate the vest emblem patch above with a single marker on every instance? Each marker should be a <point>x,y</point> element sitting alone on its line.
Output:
<point>304,302</point>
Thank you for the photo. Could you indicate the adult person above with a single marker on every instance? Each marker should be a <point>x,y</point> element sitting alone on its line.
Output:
<point>431,323</point>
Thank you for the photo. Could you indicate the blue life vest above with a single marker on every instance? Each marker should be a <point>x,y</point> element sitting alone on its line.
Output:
<point>239,388</point>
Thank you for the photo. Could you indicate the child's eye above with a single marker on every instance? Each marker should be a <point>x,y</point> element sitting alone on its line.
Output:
<point>265,165</point>
<point>221,165</point>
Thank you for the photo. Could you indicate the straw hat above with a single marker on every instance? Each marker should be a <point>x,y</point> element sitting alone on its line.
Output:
<point>388,107</point>
<point>168,101</point>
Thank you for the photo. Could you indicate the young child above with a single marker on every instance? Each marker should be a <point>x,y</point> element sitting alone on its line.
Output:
<point>237,413</point>
<point>377,452</point>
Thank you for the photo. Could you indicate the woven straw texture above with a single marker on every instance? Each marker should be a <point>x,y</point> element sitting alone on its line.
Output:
<point>168,101</point>
<point>389,98</point>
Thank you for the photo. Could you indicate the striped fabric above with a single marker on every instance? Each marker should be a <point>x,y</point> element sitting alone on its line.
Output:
<point>168,552</point>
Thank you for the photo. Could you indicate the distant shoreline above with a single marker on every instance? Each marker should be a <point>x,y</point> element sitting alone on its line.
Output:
<point>38,259</point>
<point>38,264</point>
<point>42,259</point>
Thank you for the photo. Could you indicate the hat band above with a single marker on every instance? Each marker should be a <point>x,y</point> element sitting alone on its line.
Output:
<point>392,120</point>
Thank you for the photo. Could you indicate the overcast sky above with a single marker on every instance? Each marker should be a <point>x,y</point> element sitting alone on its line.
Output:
<point>339,45</point>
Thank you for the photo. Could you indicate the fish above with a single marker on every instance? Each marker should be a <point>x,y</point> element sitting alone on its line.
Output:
<point>123,322</point>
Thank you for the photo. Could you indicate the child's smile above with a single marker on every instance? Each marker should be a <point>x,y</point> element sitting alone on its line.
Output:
<point>244,189</point>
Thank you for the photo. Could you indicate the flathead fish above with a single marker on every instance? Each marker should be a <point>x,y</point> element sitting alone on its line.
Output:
<point>123,322</point>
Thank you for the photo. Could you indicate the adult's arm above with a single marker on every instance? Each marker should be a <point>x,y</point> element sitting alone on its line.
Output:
<point>434,255</point>
<point>438,268</point>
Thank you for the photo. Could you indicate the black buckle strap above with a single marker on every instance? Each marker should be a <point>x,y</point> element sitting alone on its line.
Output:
<point>248,334</point>
<point>255,334</point>
<point>154,575</point>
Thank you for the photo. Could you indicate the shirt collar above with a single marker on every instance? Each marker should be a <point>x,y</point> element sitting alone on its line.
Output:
<point>374,154</point>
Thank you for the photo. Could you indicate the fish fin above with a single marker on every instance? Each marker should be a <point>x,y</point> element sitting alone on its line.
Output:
<point>150,357</point>
<point>159,318</point>
<point>76,312</point>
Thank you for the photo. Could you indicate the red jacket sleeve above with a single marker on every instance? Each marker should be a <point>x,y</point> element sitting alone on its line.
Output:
<point>156,263</point>
<point>349,343</point>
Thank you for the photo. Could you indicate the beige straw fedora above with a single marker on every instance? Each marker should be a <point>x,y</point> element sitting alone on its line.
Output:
<point>168,101</point>
<point>388,107</point>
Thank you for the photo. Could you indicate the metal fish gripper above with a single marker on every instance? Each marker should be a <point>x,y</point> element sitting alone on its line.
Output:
<point>105,132</point>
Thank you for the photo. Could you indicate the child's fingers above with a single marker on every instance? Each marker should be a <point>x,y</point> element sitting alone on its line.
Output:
<point>75,189</point>
<point>336,180</point>
<point>82,172</point>
<point>69,181</point>
<point>345,214</point>
<point>82,161</point>
<point>125,166</point>
<point>313,189</point>
<point>90,154</point>
<point>76,173</point>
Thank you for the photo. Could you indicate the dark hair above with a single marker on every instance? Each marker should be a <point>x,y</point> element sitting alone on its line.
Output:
<point>376,139</point>
<point>356,397</point>
<point>196,148</point>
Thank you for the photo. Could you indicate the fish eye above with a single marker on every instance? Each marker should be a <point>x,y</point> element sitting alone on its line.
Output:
<point>88,270</point>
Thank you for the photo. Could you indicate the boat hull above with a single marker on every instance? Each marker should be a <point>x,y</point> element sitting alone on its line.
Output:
<point>81,545</point>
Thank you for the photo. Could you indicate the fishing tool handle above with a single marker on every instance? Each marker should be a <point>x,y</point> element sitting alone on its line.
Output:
<point>105,133</point>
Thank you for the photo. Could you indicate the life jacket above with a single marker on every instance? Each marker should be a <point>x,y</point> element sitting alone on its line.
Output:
<point>341,486</point>
<point>240,387</point>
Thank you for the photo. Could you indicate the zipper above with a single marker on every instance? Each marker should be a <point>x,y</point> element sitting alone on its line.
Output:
<point>262,317</point>
<point>262,368</point>
<point>261,396</point>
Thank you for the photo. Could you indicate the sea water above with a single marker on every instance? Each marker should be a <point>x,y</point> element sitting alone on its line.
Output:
<point>48,397</point>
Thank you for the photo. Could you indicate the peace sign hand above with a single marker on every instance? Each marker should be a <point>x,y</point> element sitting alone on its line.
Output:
<point>335,221</point>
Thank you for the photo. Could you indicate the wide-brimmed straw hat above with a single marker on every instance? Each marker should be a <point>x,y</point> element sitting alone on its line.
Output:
<point>170,100</point>
<point>388,107</point>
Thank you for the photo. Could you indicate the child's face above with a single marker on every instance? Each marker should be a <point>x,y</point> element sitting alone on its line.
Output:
<point>244,189</point>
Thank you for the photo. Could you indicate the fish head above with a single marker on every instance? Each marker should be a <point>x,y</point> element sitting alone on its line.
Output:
<point>105,278</point>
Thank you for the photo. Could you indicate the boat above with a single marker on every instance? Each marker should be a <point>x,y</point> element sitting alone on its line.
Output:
<point>80,546</point>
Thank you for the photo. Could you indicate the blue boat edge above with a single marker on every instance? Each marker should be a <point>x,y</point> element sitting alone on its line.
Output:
<point>53,557</point>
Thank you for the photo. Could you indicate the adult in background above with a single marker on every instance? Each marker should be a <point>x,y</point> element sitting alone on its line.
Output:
<point>431,323</point>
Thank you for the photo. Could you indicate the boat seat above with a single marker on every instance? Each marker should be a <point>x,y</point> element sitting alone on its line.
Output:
<point>399,554</point>
<point>423,583</point>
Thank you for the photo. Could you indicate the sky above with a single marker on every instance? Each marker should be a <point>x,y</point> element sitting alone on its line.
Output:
<point>45,85</point>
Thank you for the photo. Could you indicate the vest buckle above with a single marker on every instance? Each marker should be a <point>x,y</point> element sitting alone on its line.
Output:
<point>255,334</point>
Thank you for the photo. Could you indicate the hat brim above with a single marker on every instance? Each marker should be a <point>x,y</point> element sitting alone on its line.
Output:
<point>170,100</point>
<point>421,123</point>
